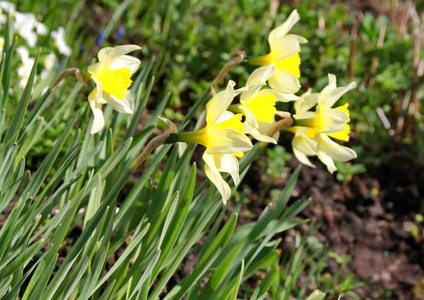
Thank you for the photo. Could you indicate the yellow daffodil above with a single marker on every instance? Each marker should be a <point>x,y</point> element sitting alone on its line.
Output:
<point>223,138</point>
<point>284,55</point>
<point>112,76</point>
<point>314,129</point>
<point>258,105</point>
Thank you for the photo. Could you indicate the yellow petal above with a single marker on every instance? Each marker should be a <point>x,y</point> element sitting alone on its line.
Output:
<point>290,64</point>
<point>263,107</point>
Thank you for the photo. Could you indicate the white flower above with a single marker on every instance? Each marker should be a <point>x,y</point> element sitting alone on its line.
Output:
<point>25,23</point>
<point>59,39</point>
<point>25,68</point>
<point>112,75</point>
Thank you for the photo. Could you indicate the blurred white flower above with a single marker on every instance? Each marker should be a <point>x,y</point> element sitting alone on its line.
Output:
<point>59,39</point>
<point>24,69</point>
<point>51,63</point>
<point>25,23</point>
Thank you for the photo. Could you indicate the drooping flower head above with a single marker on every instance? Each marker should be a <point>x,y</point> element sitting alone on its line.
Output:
<point>314,129</point>
<point>284,55</point>
<point>223,138</point>
<point>112,76</point>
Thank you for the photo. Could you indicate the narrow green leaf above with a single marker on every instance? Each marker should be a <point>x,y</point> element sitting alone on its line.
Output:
<point>234,292</point>
<point>134,243</point>
<point>18,117</point>
<point>146,273</point>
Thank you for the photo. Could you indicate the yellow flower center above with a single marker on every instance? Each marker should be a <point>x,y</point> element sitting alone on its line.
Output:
<point>116,82</point>
<point>263,107</point>
<point>290,64</point>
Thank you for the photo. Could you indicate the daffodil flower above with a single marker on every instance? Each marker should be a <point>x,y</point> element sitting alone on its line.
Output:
<point>112,76</point>
<point>258,106</point>
<point>314,129</point>
<point>284,55</point>
<point>223,138</point>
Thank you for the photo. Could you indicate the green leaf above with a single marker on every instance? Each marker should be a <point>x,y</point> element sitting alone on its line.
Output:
<point>18,117</point>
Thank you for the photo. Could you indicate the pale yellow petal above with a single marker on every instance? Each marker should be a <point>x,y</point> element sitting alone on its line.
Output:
<point>126,61</point>
<point>334,150</point>
<point>284,28</point>
<point>108,55</point>
<point>227,141</point>
<point>213,174</point>
<point>99,121</point>
<point>125,105</point>
<point>261,75</point>
<point>328,161</point>
<point>284,82</point>
<point>219,103</point>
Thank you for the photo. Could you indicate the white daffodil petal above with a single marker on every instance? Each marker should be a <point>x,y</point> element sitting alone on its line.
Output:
<point>334,120</point>
<point>250,94</point>
<point>213,174</point>
<point>261,137</point>
<point>228,141</point>
<point>99,121</point>
<point>306,102</point>
<point>219,103</point>
<point>284,28</point>
<point>284,81</point>
<point>303,158</point>
<point>279,96</point>
<point>328,161</point>
<point>334,95</point>
<point>108,55</point>
<point>225,163</point>
<point>285,47</point>
<point>126,61</point>
<point>334,150</point>
<point>125,105</point>
<point>305,144</point>
<point>261,75</point>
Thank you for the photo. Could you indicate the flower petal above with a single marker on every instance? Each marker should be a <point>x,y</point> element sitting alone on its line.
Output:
<point>334,150</point>
<point>286,46</point>
<point>284,81</point>
<point>125,105</point>
<point>126,61</point>
<point>108,55</point>
<point>303,158</point>
<point>332,96</point>
<point>99,121</point>
<point>213,174</point>
<point>284,28</point>
<point>261,75</point>
<point>219,103</point>
<point>328,161</point>
<point>227,141</point>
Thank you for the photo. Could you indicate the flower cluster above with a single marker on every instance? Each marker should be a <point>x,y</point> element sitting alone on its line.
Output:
<point>27,27</point>
<point>225,134</point>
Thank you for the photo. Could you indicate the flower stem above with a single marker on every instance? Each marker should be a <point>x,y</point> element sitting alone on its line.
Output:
<point>154,143</point>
